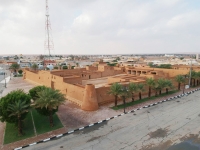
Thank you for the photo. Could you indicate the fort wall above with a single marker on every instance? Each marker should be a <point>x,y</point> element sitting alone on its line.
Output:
<point>69,82</point>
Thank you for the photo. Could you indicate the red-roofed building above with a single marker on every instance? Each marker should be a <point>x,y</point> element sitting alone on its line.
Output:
<point>49,62</point>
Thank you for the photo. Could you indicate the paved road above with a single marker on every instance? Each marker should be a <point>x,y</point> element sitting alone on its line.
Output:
<point>154,128</point>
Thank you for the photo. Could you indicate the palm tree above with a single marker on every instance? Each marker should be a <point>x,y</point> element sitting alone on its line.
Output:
<point>17,109</point>
<point>198,75</point>
<point>161,84</point>
<point>132,89</point>
<point>15,67</point>
<point>124,93</point>
<point>155,88</point>
<point>34,66</point>
<point>115,90</point>
<point>140,88</point>
<point>150,82</point>
<point>180,79</point>
<point>193,77</point>
<point>168,84</point>
<point>49,99</point>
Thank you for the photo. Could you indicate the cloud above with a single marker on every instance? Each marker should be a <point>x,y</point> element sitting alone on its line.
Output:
<point>96,26</point>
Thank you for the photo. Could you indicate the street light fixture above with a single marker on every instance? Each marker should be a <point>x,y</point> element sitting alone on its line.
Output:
<point>190,73</point>
<point>5,78</point>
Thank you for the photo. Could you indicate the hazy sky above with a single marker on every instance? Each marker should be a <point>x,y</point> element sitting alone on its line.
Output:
<point>101,26</point>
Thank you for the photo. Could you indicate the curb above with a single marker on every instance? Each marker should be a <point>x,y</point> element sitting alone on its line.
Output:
<point>99,122</point>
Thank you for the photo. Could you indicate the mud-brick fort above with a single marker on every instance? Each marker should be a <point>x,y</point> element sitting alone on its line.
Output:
<point>88,87</point>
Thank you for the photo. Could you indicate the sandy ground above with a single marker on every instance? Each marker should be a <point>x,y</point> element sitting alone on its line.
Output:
<point>70,114</point>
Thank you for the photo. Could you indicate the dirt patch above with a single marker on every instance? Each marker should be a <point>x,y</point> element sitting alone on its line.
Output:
<point>162,146</point>
<point>160,133</point>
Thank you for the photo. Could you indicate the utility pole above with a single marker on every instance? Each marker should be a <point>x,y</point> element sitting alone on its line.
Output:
<point>4,75</point>
<point>48,44</point>
<point>5,78</point>
<point>190,73</point>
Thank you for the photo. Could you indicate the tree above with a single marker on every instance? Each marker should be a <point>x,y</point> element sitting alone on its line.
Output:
<point>34,95</point>
<point>34,66</point>
<point>179,79</point>
<point>198,76</point>
<point>12,98</point>
<point>150,64</point>
<point>15,67</point>
<point>17,109</point>
<point>50,100</point>
<point>111,64</point>
<point>141,89</point>
<point>118,59</point>
<point>168,84</point>
<point>20,71</point>
<point>124,93</point>
<point>155,88</point>
<point>41,57</point>
<point>150,83</point>
<point>115,90</point>
<point>132,89</point>
<point>16,57</point>
<point>161,84</point>
<point>56,67</point>
<point>165,66</point>
<point>34,91</point>
<point>64,67</point>
<point>193,77</point>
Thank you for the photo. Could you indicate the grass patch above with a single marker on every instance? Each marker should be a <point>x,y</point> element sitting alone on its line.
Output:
<point>42,124</point>
<point>141,101</point>
<point>18,75</point>
<point>11,132</point>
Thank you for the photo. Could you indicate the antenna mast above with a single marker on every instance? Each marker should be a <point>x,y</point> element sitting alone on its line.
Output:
<point>48,44</point>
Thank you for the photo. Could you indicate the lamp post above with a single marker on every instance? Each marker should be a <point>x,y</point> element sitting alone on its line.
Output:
<point>5,78</point>
<point>124,94</point>
<point>190,73</point>
<point>5,75</point>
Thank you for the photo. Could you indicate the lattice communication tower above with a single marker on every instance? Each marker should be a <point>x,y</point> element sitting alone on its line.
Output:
<point>48,44</point>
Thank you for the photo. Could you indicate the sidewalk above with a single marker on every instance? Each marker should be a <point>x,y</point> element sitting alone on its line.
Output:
<point>70,114</point>
<point>2,84</point>
<point>7,80</point>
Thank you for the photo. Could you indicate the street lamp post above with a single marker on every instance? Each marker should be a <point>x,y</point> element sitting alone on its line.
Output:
<point>124,94</point>
<point>124,104</point>
<point>190,73</point>
<point>5,78</point>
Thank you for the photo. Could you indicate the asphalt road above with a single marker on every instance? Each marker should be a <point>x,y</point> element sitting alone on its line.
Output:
<point>154,128</point>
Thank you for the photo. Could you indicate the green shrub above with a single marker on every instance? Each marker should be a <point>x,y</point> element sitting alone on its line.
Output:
<point>20,71</point>
<point>65,67</point>
<point>56,67</point>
